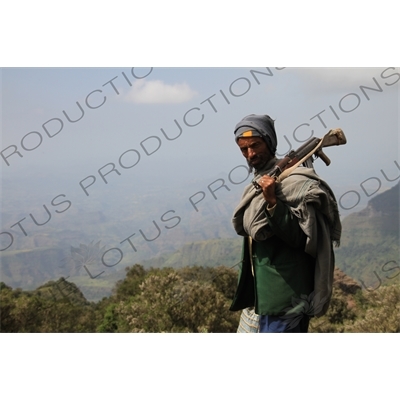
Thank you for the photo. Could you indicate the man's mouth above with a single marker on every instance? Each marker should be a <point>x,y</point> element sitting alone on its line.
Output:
<point>254,160</point>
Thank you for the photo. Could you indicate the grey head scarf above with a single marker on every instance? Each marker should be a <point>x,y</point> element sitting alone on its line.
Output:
<point>258,125</point>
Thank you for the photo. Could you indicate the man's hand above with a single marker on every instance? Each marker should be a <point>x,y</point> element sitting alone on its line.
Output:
<point>267,185</point>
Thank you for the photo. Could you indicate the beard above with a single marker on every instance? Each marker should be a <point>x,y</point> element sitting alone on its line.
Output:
<point>258,162</point>
<point>250,166</point>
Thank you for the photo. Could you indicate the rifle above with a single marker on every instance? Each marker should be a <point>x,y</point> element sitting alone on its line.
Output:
<point>313,146</point>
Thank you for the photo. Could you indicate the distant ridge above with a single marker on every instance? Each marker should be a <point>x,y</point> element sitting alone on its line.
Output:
<point>207,253</point>
<point>369,249</point>
<point>369,252</point>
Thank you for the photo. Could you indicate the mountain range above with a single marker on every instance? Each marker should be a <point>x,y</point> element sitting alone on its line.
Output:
<point>369,248</point>
<point>368,252</point>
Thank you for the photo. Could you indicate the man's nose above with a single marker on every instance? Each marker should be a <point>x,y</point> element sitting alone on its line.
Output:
<point>251,153</point>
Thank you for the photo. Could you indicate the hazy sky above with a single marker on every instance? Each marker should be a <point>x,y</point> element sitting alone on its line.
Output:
<point>118,112</point>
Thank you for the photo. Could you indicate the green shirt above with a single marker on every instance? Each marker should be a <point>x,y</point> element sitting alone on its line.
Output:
<point>282,270</point>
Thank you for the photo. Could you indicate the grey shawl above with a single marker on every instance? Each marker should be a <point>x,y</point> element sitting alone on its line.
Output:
<point>311,200</point>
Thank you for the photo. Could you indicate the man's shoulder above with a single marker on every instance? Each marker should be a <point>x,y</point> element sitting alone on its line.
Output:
<point>300,177</point>
<point>302,183</point>
<point>303,173</point>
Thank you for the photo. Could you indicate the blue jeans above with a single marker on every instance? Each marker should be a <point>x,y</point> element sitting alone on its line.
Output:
<point>275,324</point>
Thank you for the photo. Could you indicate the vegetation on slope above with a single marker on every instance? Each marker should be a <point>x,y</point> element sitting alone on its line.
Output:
<point>189,299</point>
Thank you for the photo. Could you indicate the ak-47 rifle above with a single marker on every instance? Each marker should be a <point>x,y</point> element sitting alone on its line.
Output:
<point>313,146</point>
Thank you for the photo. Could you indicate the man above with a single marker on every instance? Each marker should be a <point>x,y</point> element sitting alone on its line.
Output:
<point>289,230</point>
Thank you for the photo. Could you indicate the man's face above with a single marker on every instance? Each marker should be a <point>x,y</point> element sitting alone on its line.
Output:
<point>255,150</point>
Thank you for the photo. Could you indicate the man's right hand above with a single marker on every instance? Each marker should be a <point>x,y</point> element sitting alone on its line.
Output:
<point>267,185</point>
